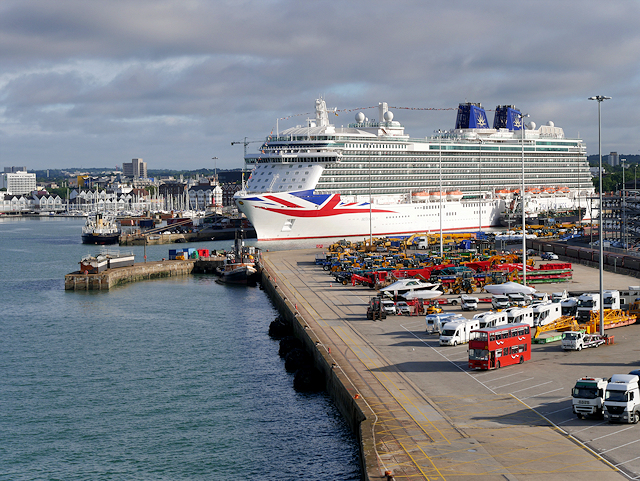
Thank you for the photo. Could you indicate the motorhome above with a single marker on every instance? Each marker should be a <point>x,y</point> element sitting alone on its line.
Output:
<point>491,319</point>
<point>522,315</point>
<point>468,303</point>
<point>517,300</point>
<point>540,297</point>
<point>457,332</point>
<point>546,313</point>
<point>436,321</point>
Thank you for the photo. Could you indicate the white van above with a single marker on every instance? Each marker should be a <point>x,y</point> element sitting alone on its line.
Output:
<point>457,332</point>
<point>491,319</point>
<point>500,302</point>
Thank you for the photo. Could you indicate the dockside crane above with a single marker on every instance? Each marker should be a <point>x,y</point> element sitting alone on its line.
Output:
<point>245,142</point>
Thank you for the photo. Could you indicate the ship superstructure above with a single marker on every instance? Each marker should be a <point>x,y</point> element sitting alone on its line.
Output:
<point>319,180</point>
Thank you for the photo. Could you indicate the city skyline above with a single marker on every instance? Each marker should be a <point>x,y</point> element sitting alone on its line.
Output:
<point>174,83</point>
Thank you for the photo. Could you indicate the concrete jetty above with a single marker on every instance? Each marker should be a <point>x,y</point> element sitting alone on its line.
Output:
<point>420,414</point>
<point>81,281</point>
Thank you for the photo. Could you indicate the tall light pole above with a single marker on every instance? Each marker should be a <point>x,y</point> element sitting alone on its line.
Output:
<point>440,186</point>
<point>524,230</point>
<point>599,99</point>
<point>624,210</point>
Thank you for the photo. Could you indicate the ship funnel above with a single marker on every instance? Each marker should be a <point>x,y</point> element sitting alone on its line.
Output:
<point>507,117</point>
<point>471,116</point>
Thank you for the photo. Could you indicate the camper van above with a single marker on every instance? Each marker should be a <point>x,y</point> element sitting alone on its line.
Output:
<point>546,313</point>
<point>522,315</point>
<point>492,319</point>
<point>457,332</point>
<point>436,321</point>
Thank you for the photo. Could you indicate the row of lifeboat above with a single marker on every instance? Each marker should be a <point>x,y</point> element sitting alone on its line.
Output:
<point>437,195</point>
<point>503,193</point>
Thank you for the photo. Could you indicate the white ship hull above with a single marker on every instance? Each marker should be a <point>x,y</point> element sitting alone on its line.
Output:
<point>289,216</point>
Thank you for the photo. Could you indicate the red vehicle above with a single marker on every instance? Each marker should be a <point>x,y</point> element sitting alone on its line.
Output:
<point>496,347</point>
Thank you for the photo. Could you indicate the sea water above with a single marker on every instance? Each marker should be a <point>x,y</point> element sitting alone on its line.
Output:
<point>165,379</point>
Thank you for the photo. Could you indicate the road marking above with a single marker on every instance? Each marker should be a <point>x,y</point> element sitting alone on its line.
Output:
<point>558,411</point>
<point>516,382</point>
<point>611,434</point>
<point>530,387</point>
<point>542,394</point>
<point>589,427</point>
<point>625,462</point>
<point>498,378</point>
<point>621,446</point>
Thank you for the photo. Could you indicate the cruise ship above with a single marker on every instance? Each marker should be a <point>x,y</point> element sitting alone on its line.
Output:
<point>370,178</point>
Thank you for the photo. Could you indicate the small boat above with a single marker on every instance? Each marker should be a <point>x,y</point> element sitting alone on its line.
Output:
<point>454,195</point>
<point>100,229</point>
<point>239,267</point>
<point>423,195</point>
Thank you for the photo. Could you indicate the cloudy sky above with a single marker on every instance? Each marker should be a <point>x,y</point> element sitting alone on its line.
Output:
<point>96,83</point>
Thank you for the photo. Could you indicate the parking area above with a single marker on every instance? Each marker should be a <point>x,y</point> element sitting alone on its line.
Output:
<point>542,385</point>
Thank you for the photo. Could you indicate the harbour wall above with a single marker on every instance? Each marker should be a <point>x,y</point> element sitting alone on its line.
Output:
<point>80,281</point>
<point>337,384</point>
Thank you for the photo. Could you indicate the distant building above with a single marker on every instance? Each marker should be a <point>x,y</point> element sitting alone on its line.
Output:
<point>135,169</point>
<point>613,159</point>
<point>228,190</point>
<point>19,182</point>
<point>14,169</point>
<point>205,195</point>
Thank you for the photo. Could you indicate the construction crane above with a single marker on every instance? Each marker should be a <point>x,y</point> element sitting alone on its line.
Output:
<point>245,142</point>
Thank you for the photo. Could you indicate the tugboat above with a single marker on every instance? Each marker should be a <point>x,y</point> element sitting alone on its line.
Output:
<point>100,229</point>
<point>241,267</point>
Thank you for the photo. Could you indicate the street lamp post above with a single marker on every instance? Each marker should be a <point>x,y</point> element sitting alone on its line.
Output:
<point>624,205</point>
<point>599,99</point>
<point>524,230</point>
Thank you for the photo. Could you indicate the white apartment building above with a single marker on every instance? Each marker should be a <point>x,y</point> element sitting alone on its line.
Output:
<point>18,183</point>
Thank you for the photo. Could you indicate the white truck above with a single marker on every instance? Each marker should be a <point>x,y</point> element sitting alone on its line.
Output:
<point>569,306</point>
<point>611,299</point>
<point>559,296</point>
<point>500,302</point>
<point>457,332</point>
<point>622,399</point>
<point>517,315</point>
<point>546,313</point>
<point>578,340</point>
<point>587,303</point>
<point>492,319</point>
<point>588,396</point>
<point>517,300</point>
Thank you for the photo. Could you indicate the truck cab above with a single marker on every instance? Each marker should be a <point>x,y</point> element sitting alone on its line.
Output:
<point>586,304</point>
<point>622,399</point>
<point>517,300</point>
<point>611,299</point>
<point>569,306</point>
<point>588,396</point>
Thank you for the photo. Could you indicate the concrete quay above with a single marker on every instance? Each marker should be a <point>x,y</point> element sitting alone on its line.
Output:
<point>420,413</point>
<point>80,281</point>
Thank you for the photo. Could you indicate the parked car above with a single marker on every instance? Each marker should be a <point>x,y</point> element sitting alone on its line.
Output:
<point>403,308</point>
<point>389,307</point>
<point>549,256</point>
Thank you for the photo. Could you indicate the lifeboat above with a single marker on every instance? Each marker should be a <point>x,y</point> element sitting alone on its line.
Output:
<point>454,195</point>
<point>562,190</point>
<point>435,195</point>
<point>503,193</point>
<point>535,191</point>
<point>420,196</point>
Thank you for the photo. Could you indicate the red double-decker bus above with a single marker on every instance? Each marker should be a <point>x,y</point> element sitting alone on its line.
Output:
<point>496,347</point>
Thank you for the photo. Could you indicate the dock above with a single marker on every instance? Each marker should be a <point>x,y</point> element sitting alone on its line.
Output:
<point>110,278</point>
<point>417,412</point>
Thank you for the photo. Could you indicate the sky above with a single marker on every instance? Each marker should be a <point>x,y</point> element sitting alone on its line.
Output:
<point>174,82</point>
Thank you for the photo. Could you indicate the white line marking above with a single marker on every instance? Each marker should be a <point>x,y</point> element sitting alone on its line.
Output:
<point>589,427</point>
<point>503,377</point>
<point>530,387</point>
<point>516,382</point>
<point>611,434</point>
<point>542,394</point>
<point>621,446</point>
<point>627,461</point>
<point>558,411</point>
